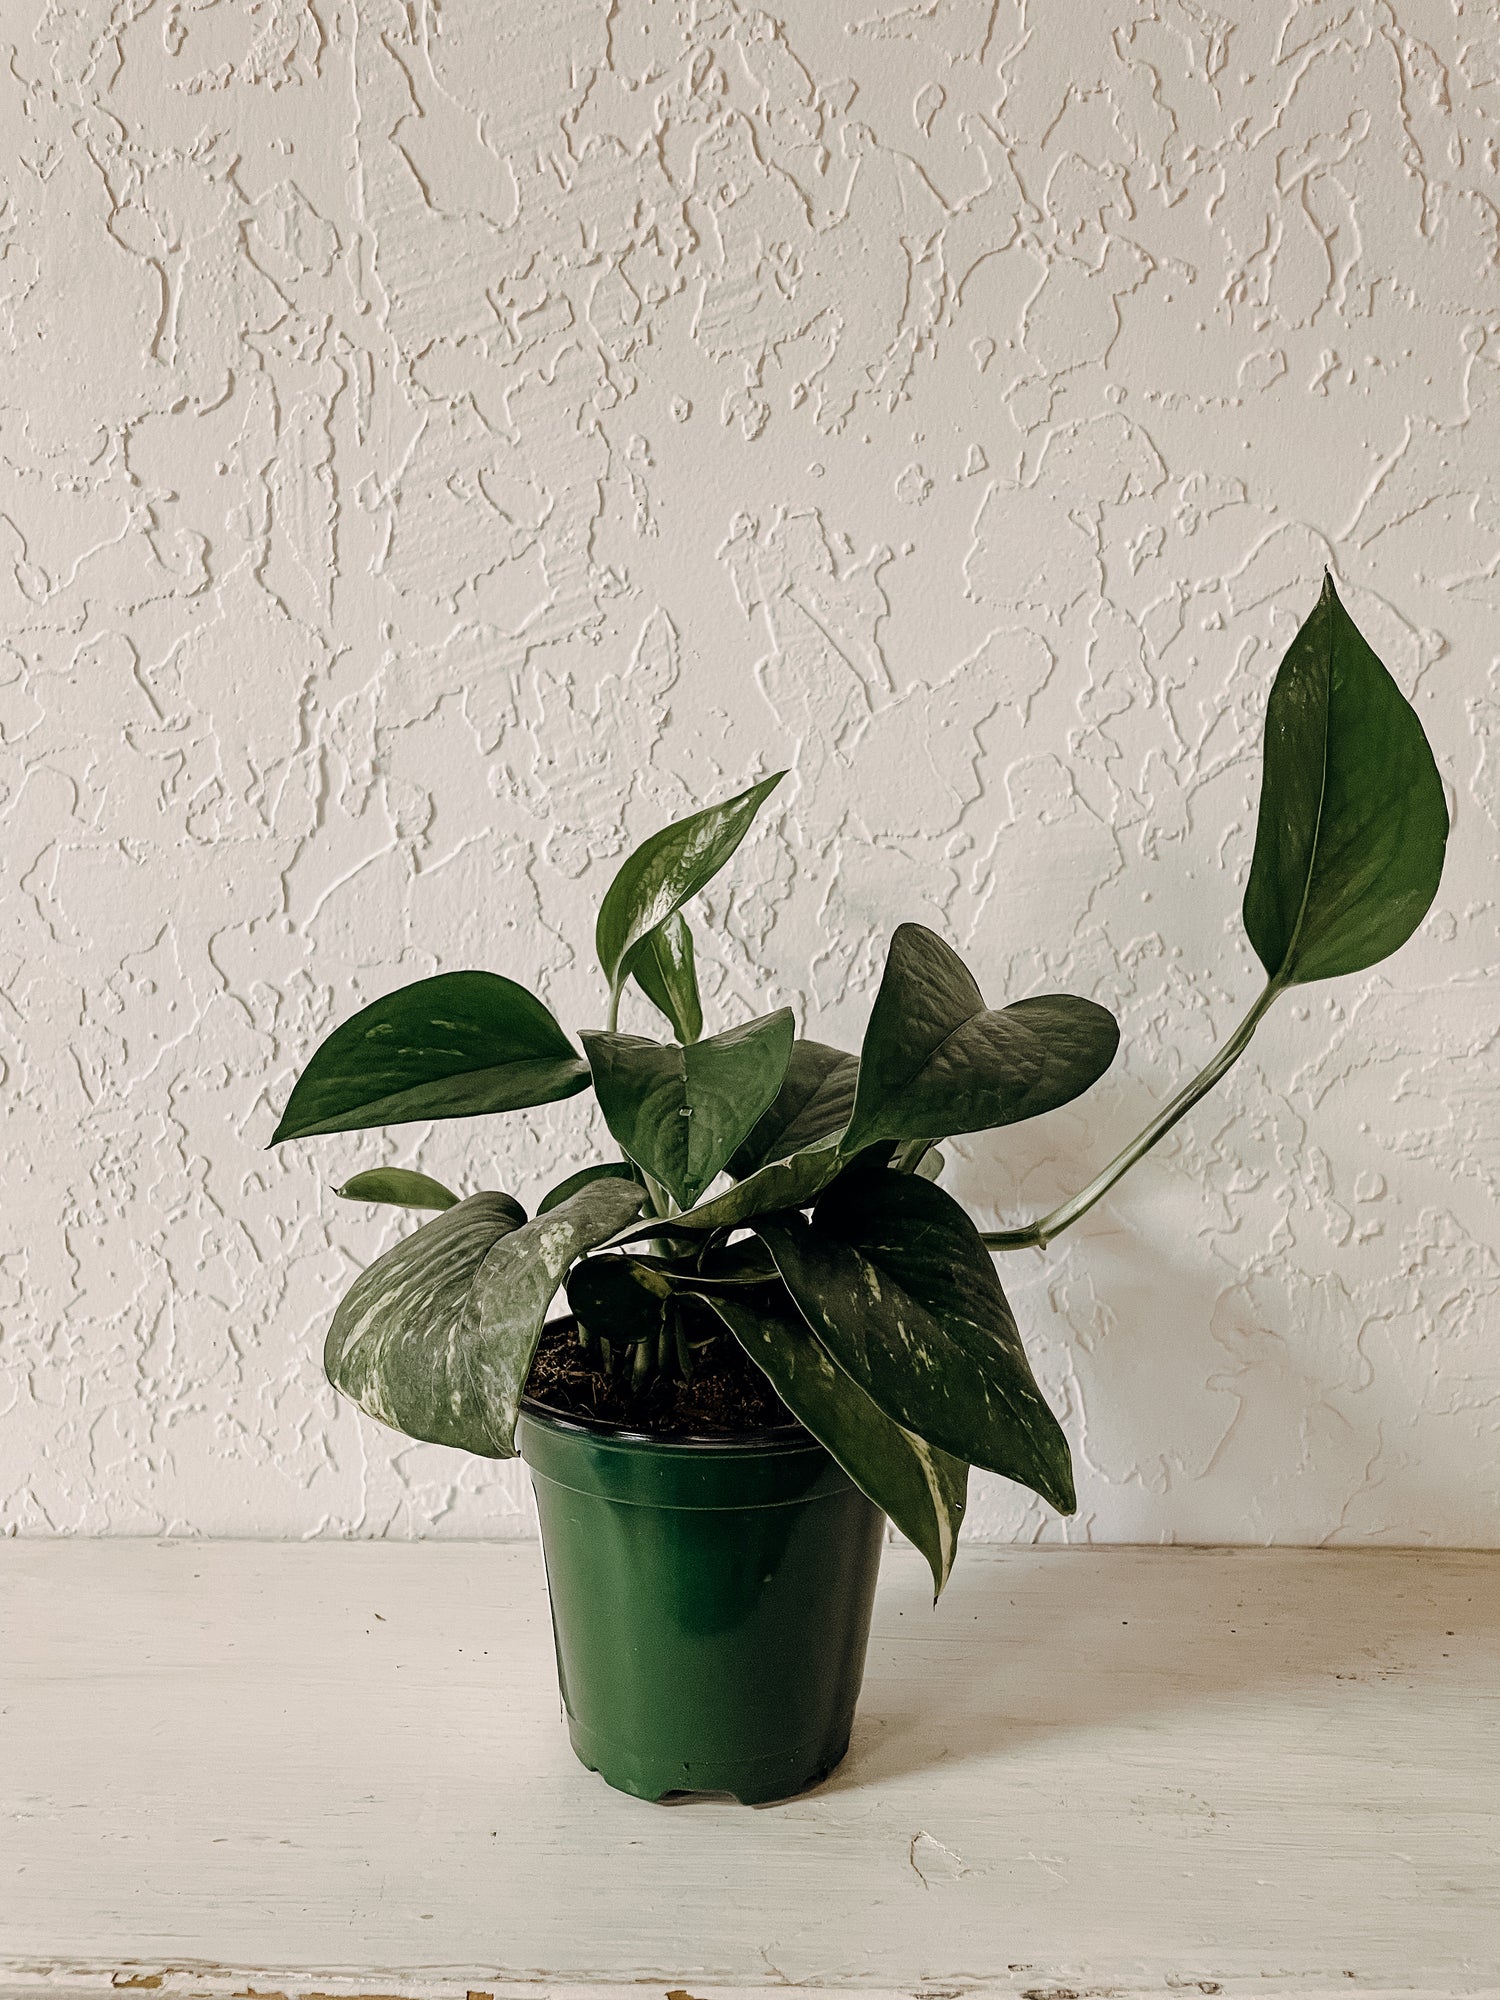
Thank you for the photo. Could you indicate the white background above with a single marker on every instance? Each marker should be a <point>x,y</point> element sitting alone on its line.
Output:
<point>439,444</point>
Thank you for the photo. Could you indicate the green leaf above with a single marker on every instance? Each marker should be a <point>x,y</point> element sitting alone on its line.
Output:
<point>607,1170</point>
<point>936,1061</point>
<point>894,1280</point>
<point>1353,823</point>
<point>449,1047</point>
<point>436,1338</point>
<point>815,1099</point>
<point>405,1189</point>
<point>666,974</point>
<point>785,1184</point>
<point>665,871</point>
<point>394,1346</point>
<point>679,1112</point>
<point>922,1489</point>
<point>617,1299</point>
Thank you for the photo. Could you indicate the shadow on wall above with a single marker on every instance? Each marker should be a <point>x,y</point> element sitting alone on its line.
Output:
<point>1028,1644</point>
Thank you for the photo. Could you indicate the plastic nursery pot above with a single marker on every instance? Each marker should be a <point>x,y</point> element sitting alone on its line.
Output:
<point>710,1603</point>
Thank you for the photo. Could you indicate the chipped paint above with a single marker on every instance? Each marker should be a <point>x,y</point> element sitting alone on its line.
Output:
<point>436,446</point>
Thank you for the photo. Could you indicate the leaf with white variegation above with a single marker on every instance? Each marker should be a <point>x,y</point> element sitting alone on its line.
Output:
<point>664,872</point>
<point>892,1277</point>
<point>924,1490</point>
<point>449,1047</point>
<point>436,1338</point>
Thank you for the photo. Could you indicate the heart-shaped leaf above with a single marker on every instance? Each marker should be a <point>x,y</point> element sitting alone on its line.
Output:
<point>448,1047</point>
<point>436,1338</point>
<point>606,1170</point>
<point>936,1061</point>
<point>667,975</point>
<point>665,871</point>
<point>922,1489</point>
<point>1353,824</point>
<point>679,1112</point>
<point>815,1099</point>
<point>404,1189</point>
<point>892,1277</point>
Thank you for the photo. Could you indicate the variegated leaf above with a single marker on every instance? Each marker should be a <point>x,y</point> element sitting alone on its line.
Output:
<point>894,1280</point>
<point>447,1047</point>
<point>436,1338</point>
<point>923,1489</point>
<point>665,872</point>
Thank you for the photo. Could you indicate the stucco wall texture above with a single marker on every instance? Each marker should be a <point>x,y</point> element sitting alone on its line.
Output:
<point>438,444</point>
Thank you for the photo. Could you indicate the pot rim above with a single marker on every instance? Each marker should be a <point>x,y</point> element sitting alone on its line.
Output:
<point>780,1437</point>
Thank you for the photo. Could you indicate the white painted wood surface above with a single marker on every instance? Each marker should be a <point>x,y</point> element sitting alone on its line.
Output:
<point>340,1768</point>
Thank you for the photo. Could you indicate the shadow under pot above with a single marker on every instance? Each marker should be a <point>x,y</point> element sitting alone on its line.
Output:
<point>711,1603</point>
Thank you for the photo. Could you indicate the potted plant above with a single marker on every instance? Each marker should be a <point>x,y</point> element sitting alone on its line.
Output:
<point>781,1329</point>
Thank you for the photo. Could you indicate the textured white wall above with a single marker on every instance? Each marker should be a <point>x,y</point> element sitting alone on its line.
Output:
<point>440,443</point>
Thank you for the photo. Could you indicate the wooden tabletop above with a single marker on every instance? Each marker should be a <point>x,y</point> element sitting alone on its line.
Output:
<point>339,1768</point>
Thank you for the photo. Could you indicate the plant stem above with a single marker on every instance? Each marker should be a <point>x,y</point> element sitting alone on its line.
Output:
<point>1037,1235</point>
<point>614,1010</point>
<point>662,1204</point>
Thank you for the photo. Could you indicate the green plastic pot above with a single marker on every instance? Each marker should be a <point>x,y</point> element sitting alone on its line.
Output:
<point>710,1604</point>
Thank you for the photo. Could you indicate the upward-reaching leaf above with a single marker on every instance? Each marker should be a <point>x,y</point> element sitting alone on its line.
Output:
<point>1353,824</point>
<point>815,1099</point>
<point>666,974</point>
<point>679,1112</point>
<point>436,1337</point>
<point>936,1061</point>
<point>448,1047</point>
<point>892,1277</point>
<point>922,1489</point>
<point>665,871</point>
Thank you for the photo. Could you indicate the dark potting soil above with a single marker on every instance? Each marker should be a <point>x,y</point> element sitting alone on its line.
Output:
<point>725,1396</point>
